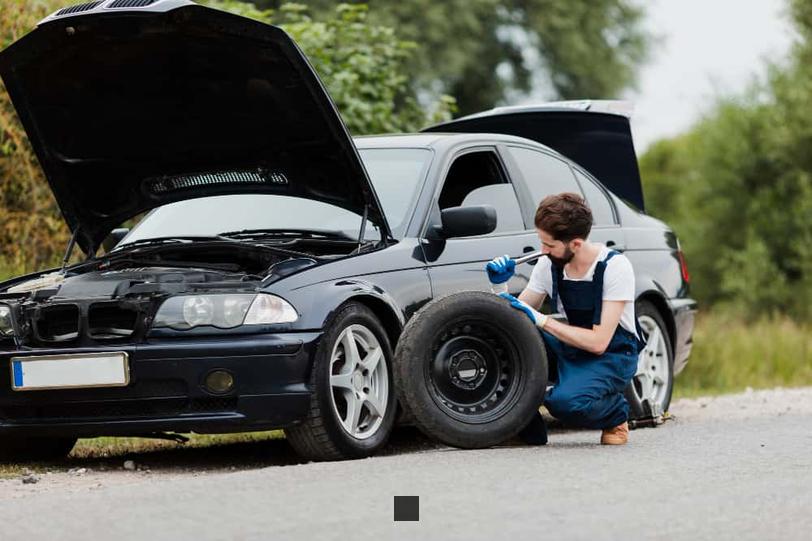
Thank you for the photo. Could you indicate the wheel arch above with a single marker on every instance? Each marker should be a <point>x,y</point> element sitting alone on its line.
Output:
<point>385,313</point>
<point>661,304</point>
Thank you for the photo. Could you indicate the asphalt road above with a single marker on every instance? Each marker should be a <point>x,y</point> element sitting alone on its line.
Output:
<point>740,469</point>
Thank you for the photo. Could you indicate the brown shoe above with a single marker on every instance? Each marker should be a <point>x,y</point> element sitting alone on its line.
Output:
<point>618,435</point>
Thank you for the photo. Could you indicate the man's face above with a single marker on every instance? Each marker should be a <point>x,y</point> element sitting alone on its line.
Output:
<point>560,253</point>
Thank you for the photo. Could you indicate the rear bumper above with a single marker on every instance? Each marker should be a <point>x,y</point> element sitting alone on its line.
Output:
<point>684,312</point>
<point>166,391</point>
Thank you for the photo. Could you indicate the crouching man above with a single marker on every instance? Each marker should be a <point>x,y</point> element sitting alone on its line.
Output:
<point>595,353</point>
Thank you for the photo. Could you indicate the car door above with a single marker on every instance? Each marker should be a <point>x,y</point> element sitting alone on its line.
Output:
<point>475,176</point>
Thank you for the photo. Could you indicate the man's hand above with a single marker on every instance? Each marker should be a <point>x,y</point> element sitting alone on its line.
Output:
<point>500,269</point>
<point>538,319</point>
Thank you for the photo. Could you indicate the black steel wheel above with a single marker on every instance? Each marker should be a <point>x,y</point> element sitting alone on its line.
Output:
<point>471,369</point>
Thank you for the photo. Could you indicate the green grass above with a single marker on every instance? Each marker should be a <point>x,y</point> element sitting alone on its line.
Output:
<point>730,355</point>
<point>201,452</point>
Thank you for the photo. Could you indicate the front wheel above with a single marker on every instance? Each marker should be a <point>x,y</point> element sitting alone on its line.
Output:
<point>649,393</point>
<point>352,408</point>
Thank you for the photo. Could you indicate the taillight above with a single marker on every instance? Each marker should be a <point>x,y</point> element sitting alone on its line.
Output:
<point>683,267</point>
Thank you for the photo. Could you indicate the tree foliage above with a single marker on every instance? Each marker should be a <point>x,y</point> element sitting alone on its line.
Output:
<point>485,52</point>
<point>738,189</point>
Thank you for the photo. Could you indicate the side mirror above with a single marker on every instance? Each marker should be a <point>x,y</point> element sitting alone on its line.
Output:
<point>467,221</point>
<point>114,238</point>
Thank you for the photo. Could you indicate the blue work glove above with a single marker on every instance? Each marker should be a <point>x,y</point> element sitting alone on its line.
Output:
<point>538,319</point>
<point>500,269</point>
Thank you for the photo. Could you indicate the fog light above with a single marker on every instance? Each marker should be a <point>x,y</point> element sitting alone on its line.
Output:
<point>219,382</point>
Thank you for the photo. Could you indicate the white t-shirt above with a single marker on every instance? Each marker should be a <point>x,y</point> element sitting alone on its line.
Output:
<point>618,283</point>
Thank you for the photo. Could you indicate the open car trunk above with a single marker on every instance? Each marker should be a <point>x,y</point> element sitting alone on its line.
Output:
<point>601,141</point>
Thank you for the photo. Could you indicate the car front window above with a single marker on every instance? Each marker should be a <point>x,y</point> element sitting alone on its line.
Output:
<point>211,216</point>
<point>396,174</point>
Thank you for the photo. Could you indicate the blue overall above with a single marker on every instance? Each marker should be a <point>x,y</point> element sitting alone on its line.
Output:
<point>589,391</point>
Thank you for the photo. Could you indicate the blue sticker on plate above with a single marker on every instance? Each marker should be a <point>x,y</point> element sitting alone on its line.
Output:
<point>18,373</point>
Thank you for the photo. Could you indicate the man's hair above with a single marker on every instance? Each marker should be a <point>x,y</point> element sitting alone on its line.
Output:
<point>565,216</point>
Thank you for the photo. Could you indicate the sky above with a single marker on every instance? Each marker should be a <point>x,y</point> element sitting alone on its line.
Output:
<point>706,48</point>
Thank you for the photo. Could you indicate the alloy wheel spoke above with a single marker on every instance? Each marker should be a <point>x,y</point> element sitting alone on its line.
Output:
<point>350,349</point>
<point>374,405</point>
<point>353,412</point>
<point>646,386</point>
<point>370,362</point>
<point>342,381</point>
<point>654,341</point>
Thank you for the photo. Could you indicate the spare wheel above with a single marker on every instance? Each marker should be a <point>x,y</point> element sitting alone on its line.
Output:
<point>471,369</point>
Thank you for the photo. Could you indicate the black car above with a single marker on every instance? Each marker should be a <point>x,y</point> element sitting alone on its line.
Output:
<point>274,262</point>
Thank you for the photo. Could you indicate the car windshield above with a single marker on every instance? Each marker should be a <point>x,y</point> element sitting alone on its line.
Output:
<point>396,174</point>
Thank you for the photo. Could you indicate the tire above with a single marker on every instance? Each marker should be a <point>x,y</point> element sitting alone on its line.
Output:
<point>655,362</point>
<point>471,369</point>
<point>35,449</point>
<point>327,432</point>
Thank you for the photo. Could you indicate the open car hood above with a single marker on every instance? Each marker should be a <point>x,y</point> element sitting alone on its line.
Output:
<point>594,134</point>
<point>129,108</point>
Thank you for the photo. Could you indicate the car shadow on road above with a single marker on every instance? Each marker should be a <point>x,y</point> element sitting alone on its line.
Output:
<point>247,455</point>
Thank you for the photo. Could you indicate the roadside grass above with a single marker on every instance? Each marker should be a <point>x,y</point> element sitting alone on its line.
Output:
<point>202,451</point>
<point>730,355</point>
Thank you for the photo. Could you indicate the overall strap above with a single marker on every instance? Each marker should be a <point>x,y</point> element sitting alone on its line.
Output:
<point>597,286</point>
<point>558,275</point>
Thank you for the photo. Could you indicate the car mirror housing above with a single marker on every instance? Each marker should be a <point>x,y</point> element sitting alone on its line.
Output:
<point>467,221</point>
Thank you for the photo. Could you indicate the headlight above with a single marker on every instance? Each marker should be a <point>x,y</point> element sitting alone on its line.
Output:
<point>6,325</point>
<point>223,311</point>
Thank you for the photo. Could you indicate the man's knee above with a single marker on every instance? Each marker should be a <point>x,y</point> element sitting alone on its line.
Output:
<point>567,406</point>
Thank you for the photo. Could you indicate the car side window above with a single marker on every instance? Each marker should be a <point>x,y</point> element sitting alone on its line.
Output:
<point>602,213</point>
<point>477,178</point>
<point>544,174</point>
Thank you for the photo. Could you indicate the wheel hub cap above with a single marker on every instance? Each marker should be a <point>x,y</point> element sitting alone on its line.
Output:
<point>467,369</point>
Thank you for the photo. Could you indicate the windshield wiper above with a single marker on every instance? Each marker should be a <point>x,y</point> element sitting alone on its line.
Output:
<point>285,234</point>
<point>171,240</point>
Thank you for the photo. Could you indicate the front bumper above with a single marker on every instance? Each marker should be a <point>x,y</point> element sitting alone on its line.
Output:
<point>166,391</point>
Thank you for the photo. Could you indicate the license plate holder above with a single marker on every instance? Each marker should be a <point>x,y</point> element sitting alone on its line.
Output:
<point>71,371</point>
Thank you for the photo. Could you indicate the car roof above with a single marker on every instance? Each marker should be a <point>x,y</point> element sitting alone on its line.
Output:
<point>439,139</point>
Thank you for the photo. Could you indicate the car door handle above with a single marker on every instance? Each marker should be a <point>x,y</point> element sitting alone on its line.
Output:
<point>615,246</point>
<point>531,258</point>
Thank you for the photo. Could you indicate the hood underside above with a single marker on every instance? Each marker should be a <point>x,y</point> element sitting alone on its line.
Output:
<point>600,142</point>
<point>128,110</point>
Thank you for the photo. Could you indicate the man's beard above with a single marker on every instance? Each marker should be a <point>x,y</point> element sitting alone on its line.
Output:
<point>561,261</point>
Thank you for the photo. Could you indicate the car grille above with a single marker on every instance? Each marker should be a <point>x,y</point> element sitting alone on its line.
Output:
<point>58,323</point>
<point>69,324</point>
<point>111,322</point>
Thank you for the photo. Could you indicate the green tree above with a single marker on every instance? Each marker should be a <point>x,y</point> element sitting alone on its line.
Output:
<point>738,190</point>
<point>484,52</point>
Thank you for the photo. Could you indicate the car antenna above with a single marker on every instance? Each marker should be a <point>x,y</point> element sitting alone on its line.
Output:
<point>69,250</point>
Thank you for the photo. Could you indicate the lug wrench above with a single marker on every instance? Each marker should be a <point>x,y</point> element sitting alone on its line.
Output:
<point>528,257</point>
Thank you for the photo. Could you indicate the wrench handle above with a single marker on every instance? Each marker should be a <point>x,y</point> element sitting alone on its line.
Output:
<point>528,257</point>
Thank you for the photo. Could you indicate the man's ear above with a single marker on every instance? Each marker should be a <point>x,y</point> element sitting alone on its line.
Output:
<point>576,244</point>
